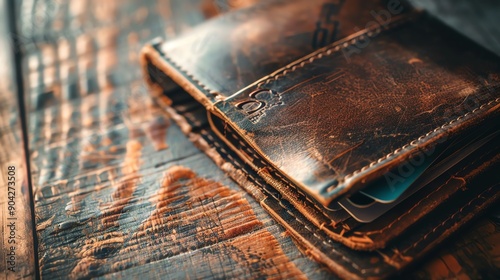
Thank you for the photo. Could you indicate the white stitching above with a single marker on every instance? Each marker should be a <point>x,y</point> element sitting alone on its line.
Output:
<point>416,141</point>
<point>449,218</point>
<point>321,212</point>
<point>322,239</point>
<point>320,55</point>
<point>314,233</point>
<point>334,48</point>
<point>303,62</point>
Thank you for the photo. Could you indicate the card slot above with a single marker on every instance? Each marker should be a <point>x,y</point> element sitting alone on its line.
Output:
<point>448,159</point>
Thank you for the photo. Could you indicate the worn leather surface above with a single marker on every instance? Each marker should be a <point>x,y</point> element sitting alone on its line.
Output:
<point>342,116</point>
<point>224,56</point>
<point>340,123</point>
<point>403,92</point>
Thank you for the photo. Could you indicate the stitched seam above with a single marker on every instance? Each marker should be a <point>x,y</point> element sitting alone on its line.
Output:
<point>214,93</point>
<point>319,55</point>
<point>321,212</point>
<point>421,138</point>
<point>314,233</point>
<point>334,48</point>
<point>303,62</point>
<point>322,239</point>
<point>256,157</point>
<point>396,152</point>
<point>449,218</point>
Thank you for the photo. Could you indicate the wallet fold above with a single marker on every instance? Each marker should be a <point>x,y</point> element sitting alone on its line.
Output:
<point>306,103</point>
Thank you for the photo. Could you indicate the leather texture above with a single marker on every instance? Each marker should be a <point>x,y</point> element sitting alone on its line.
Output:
<point>342,116</point>
<point>332,126</point>
<point>299,128</point>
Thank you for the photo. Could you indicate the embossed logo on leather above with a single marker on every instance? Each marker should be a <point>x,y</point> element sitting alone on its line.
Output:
<point>258,102</point>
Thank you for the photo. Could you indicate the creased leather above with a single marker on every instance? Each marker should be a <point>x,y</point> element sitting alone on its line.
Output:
<point>330,123</point>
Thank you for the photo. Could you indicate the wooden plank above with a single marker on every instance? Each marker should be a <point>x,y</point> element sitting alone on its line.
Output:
<point>16,234</point>
<point>121,192</point>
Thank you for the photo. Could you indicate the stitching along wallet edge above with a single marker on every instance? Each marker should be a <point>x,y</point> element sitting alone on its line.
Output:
<point>307,131</point>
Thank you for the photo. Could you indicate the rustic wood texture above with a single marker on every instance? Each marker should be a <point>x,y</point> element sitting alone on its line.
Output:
<point>118,188</point>
<point>12,154</point>
<point>120,192</point>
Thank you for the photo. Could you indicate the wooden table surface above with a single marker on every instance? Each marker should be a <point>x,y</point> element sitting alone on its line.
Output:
<point>117,191</point>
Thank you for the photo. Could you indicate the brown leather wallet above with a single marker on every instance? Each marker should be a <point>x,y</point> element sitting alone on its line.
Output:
<point>368,129</point>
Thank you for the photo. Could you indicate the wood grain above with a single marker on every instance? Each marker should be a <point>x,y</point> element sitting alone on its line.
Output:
<point>119,190</point>
<point>12,154</point>
<point>122,193</point>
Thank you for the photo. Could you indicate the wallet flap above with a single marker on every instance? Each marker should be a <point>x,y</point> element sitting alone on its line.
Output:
<point>348,114</point>
<point>339,117</point>
<point>318,124</point>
